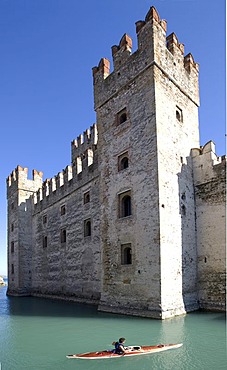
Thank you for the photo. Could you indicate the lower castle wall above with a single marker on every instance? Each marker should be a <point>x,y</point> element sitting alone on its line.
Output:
<point>211,223</point>
<point>68,269</point>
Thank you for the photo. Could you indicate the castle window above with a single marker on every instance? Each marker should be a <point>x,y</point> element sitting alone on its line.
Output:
<point>87,197</point>
<point>63,211</point>
<point>122,116</point>
<point>44,219</point>
<point>87,227</point>
<point>12,227</point>
<point>45,241</point>
<point>179,114</point>
<point>12,247</point>
<point>126,254</point>
<point>12,206</point>
<point>63,235</point>
<point>123,162</point>
<point>12,268</point>
<point>125,204</point>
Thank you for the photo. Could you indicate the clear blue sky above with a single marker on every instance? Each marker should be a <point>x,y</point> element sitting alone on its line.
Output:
<point>47,51</point>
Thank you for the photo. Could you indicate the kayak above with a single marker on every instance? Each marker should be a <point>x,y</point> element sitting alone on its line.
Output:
<point>131,351</point>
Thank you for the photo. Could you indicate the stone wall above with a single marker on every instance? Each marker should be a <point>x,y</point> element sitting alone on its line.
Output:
<point>136,223</point>
<point>210,192</point>
<point>152,85</point>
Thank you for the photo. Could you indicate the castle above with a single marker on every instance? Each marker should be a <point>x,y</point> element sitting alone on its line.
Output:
<point>136,223</point>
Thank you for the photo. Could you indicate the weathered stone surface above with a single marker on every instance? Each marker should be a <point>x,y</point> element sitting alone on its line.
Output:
<point>131,224</point>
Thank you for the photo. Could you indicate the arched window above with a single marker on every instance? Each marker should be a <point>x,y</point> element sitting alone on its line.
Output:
<point>126,203</point>
<point>126,254</point>
<point>63,211</point>
<point>63,235</point>
<point>126,206</point>
<point>124,163</point>
<point>87,228</point>
<point>87,197</point>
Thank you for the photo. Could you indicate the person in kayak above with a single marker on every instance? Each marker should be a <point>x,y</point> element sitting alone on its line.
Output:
<point>119,347</point>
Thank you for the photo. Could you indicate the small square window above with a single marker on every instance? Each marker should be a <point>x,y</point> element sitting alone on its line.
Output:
<point>122,116</point>
<point>87,197</point>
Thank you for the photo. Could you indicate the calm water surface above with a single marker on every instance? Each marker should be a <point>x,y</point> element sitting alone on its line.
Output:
<point>37,334</point>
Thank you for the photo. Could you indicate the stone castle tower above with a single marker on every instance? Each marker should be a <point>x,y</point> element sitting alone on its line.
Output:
<point>127,225</point>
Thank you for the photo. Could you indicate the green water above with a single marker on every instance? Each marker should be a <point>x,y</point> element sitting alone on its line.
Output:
<point>38,334</point>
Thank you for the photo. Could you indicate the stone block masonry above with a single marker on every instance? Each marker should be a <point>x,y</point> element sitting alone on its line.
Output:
<point>129,224</point>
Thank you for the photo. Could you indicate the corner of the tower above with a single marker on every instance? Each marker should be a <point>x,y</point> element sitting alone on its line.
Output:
<point>20,192</point>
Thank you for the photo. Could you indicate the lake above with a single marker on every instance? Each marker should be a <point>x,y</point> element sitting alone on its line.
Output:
<point>37,334</point>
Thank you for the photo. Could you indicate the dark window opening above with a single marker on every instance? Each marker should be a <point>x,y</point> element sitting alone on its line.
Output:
<point>126,206</point>
<point>87,228</point>
<point>179,114</point>
<point>44,241</point>
<point>12,247</point>
<point>183,210</point>
<point>12,268</point>
<point>63,236</point>
<point>12,227</point>
<point>126,254</point>
<point>63,210</point>
<point>124,163</point>
<point>44,219</point>
<point>86,197</point>
<point>122,116</point>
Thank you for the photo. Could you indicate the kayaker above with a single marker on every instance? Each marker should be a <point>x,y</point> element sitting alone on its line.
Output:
<point>119,346</point>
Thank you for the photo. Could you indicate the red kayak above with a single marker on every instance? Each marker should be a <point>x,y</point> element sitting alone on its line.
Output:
<point>131,351</point>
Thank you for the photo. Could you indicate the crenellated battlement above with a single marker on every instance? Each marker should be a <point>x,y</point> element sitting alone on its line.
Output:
<point>206,164</point>
<point>21,174</point>
<point>154,49</point>
<point>83,148</point>
<point>18,179</point>
<point>83,160</point>
<point>129,198</point>
<point>79,172</point>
